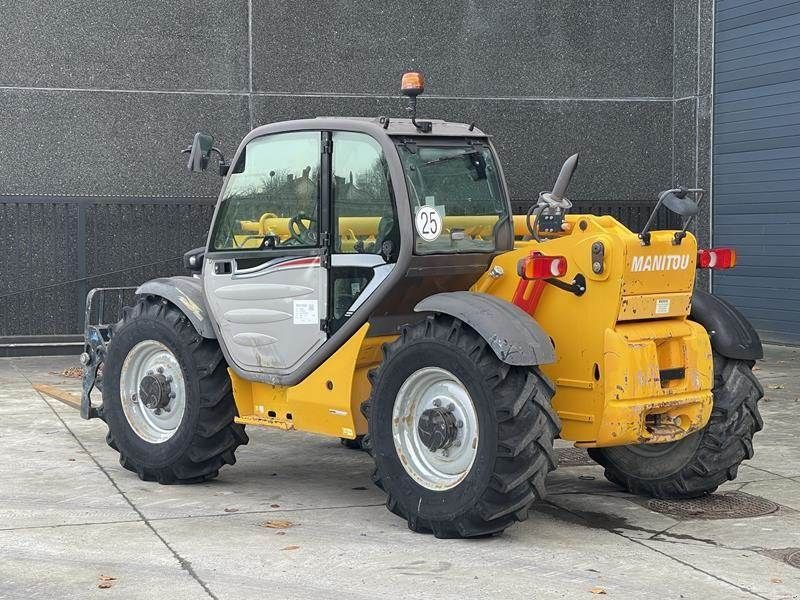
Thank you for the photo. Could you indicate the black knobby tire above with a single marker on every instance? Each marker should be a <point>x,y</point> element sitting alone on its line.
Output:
<point>355,444</point>
<point>701,462</point>
<point>517,426</point>
<point>207,437</point>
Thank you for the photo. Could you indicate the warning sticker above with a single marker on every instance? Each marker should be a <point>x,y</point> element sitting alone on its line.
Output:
<point>306,312</point>
<point>428,223</point>
<point>662,306</point>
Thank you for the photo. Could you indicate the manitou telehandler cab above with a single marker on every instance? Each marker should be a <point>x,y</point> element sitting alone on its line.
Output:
<point>365,279</point>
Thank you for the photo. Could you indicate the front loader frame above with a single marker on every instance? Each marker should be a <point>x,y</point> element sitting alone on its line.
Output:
<point>96,334</point>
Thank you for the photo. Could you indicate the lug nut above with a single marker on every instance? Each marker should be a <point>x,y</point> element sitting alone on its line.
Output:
<point>134,398</point>
<point>160,369</point>
<point>451,407</point>
<point>168,379</point>
<point>459,423</point>
<point>157,411</point>
<point>167,408</point>
<point>85,359</point>
<point>457,443</point>
<point>150,372</point>
<point>437,403</point>
<point>172,395</point>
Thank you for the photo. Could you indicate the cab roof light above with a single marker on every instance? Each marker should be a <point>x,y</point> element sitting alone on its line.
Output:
<point>412,85</point>
<point>716,258</point>
<point>539,266</point>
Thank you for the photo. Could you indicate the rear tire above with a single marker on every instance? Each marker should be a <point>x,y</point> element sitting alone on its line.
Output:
<point>206,437</point>
<point>701,462</point>
<point>511,441</point>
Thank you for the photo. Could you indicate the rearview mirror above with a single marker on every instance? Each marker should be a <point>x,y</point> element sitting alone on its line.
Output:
<point>200,152</point>
<point>683,206</point>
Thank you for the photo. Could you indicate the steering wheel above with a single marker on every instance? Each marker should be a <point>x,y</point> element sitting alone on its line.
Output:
<point>299,232</point>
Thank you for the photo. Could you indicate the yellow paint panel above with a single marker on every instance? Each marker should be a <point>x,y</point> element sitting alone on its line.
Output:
<point>608,357</point>
<point>654,306</point>
<point>328,401</point>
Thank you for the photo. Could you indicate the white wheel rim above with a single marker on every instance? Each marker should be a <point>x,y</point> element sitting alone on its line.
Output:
<point>153,424</point>
<point>426,389</point>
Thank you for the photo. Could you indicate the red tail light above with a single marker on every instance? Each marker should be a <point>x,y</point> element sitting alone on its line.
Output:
<point>716,258</point>
<point>538,266</point>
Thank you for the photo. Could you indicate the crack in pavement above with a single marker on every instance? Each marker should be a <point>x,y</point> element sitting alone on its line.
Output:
<point>203,516</point>
<point>583,519</point>
<point>770,472</point>
<point>185,564</point>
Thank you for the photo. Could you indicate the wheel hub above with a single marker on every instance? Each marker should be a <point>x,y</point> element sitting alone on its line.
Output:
<point>437,428</point>
<point>154,391</point>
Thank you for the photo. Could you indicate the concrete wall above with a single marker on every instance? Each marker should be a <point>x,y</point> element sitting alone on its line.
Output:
<point>98,99</point>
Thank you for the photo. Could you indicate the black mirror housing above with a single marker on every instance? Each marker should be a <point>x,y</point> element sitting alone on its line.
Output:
<point>683,206</point>
<point>200,152</point>
<point>193,260</point>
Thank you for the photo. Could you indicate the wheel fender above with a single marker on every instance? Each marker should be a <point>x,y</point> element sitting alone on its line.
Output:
<point>731,333</point>
<point>187,294</point>
<point>512,334</point>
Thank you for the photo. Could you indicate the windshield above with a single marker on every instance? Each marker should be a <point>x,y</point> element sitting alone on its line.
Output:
<point>456,197</point>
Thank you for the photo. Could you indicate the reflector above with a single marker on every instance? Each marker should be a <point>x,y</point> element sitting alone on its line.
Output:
<point>538,266</point>
<point>716,258</point>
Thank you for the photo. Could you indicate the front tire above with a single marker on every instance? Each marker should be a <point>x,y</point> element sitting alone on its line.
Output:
<point>699,463</point>
<point>491,427</point>
<point>167,397</point>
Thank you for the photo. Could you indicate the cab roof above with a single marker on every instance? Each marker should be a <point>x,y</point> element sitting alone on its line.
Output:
<point>377,125</point>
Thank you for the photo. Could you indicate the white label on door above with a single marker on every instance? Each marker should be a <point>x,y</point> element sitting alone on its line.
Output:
<point>662,306</point>
<point>428,223</point>
<point>306,312</point>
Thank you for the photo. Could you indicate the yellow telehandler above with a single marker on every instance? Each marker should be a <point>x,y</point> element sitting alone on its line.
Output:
<point>366,279</point>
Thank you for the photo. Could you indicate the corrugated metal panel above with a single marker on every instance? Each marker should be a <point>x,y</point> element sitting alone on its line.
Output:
<point>757,160</point>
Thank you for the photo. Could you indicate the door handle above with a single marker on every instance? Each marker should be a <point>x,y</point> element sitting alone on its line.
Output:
<point>222,267</point>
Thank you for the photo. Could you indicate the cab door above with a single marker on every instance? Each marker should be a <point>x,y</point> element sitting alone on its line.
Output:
<point>266,271</point>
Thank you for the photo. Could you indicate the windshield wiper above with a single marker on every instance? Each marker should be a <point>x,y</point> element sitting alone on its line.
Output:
<point>451,157</point>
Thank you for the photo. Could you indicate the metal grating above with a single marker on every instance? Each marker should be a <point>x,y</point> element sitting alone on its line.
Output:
<point>726,505</point>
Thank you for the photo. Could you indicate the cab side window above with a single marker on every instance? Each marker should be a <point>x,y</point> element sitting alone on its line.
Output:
<point>272,195</point>
<point>364,220</point>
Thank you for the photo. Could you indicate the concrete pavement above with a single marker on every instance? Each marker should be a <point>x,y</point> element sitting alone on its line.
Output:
<point>297,517</point>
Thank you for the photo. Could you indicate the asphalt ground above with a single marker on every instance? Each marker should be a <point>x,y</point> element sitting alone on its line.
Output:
<point>298,517</point>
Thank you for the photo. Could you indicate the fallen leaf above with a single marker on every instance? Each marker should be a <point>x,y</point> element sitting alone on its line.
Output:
<point>776,386</point>
<point>104,585</point>
<point>230,509</point>
<point>71,372</point>
<point>776,580</point>
<point>597,590</point>
<point>291,548</point>
<point>107,578</point>
<point>277,524</point>
<point>274,505</point>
